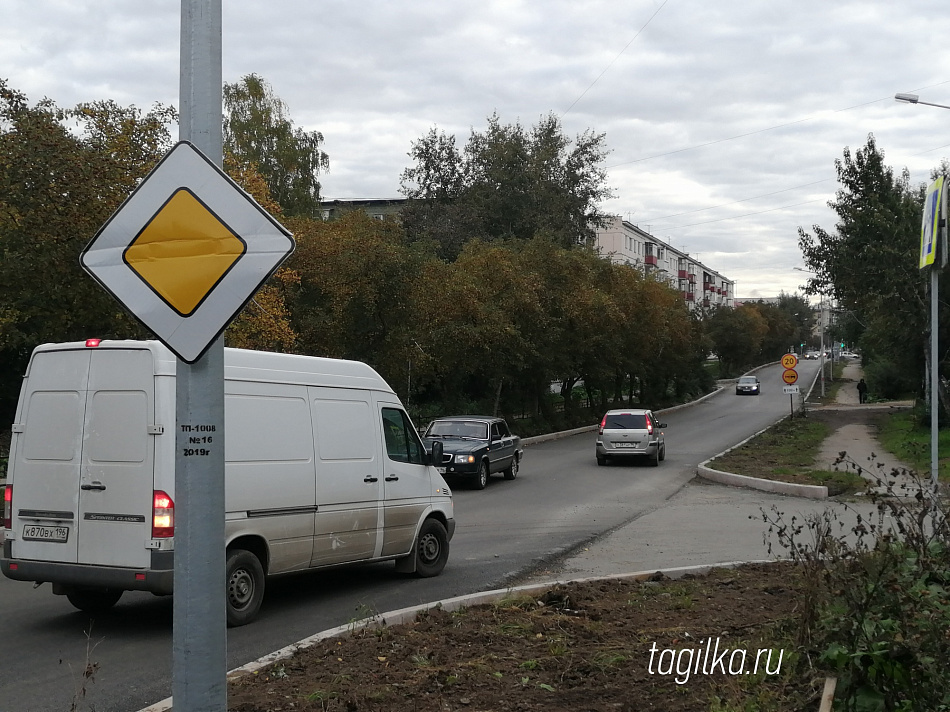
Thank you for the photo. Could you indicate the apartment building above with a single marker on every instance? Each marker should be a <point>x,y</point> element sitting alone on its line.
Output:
<point>624,243</point>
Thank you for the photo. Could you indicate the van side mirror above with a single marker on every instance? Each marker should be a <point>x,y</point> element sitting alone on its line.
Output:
<point>435,454</point>
<point>661,425</point>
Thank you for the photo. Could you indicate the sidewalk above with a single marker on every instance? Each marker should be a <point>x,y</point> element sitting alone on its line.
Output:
<point>707,523</point>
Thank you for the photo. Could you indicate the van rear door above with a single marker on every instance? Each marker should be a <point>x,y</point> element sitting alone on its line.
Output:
<point>83,469</point>
<point>115,483</point>
<point>47,451</point>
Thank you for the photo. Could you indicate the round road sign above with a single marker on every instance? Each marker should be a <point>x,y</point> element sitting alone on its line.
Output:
<point>789,360</point>
<point>790,376</point>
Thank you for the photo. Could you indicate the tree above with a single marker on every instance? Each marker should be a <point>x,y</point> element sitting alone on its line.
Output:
<point>737,336</point>
<point>258,132</point>
<point>57,188</point>
<point>869,263</point>
<point>509,182</point>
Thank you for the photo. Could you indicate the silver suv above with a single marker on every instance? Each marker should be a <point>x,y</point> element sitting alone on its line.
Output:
<point>630,433</point>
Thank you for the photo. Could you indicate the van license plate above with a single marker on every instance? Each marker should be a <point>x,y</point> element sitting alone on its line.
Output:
<point>626,444</point>
<point>35,532</point>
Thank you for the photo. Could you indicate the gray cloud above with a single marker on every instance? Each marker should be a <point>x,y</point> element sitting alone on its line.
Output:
<point>762,96</point>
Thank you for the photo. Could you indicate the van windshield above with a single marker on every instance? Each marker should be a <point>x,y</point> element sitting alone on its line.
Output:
<point>625,421</point>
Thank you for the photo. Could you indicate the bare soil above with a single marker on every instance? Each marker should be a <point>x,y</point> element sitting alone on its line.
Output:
<point>580,646</point>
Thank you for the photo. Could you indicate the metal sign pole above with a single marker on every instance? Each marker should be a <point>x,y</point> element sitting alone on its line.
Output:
<point>199,640</point>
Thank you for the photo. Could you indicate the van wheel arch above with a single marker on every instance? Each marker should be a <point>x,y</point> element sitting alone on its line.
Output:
<point>430,550</point>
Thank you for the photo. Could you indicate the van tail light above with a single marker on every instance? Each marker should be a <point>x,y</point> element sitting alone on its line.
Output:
<point>649,426</point>
<point>603,422</point>
<point>8,507</point>
<point>163,515</point>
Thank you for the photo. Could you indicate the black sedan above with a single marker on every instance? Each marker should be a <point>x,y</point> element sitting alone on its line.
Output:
<point>475,447</point>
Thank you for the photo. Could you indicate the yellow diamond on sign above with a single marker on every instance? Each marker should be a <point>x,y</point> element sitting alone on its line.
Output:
<point>183,252</point>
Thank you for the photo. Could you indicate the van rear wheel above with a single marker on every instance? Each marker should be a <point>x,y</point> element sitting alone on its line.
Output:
<point>432,548</point>
<point>94,600</point>
<point>245,587</point>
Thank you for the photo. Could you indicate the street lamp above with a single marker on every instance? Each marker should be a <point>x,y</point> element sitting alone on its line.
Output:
<point>934,361</point>
<point>914,99</point>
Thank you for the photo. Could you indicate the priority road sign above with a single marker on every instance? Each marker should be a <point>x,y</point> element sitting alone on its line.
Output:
<point>790,376</point>
<point>186,251</point>
<point>789,360</point>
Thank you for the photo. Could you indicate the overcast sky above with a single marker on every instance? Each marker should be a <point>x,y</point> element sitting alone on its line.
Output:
<point>723,119</point>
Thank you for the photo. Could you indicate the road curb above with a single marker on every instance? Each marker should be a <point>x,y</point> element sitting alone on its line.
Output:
<point>407,615</point>
<point>757,483</point>
<point>704,471</point>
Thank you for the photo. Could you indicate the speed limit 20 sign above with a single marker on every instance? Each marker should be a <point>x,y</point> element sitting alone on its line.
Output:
<point>789,361</point>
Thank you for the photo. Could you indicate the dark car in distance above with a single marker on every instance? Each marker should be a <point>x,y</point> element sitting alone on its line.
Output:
<point>475,447</point>
<point>748,385</point>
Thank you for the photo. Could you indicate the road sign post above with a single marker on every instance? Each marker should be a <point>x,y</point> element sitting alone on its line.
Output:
<point>933,254</point>
<point>790,376</point>
<point>184,253</point>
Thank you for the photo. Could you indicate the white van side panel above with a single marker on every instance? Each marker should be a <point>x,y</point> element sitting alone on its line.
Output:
<point>269,462</point>
<point>348,471</point>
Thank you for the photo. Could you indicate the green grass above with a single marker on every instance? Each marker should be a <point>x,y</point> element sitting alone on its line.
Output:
<point>786,453</point>
<point>906,435</point>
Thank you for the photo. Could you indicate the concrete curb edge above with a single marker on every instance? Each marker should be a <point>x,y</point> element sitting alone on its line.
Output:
<point>728,478</point>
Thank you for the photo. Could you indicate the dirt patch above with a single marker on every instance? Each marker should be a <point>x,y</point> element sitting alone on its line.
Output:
<point>580,646</point>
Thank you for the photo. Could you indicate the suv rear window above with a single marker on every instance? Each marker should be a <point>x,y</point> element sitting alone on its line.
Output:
<point>625,421</point>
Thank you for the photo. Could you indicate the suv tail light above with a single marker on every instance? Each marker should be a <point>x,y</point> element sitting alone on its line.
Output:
<point>649,426</point>
<point>163,515</point>
<point>8,507</point>
<point>603,421</point>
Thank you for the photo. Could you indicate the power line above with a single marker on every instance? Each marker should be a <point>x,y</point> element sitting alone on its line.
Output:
<point>615,59</point>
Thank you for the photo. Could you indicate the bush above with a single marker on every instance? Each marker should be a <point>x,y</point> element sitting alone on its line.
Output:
<point>888,381</point>
<point>876,608</point>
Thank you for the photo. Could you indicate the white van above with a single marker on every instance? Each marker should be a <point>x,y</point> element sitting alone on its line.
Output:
<point>322,467</point>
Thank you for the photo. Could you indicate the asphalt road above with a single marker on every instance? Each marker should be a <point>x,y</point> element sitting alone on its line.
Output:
<point>560,501</point>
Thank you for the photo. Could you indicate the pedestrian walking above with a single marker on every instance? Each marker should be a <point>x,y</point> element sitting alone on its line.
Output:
<point>862,391</point>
